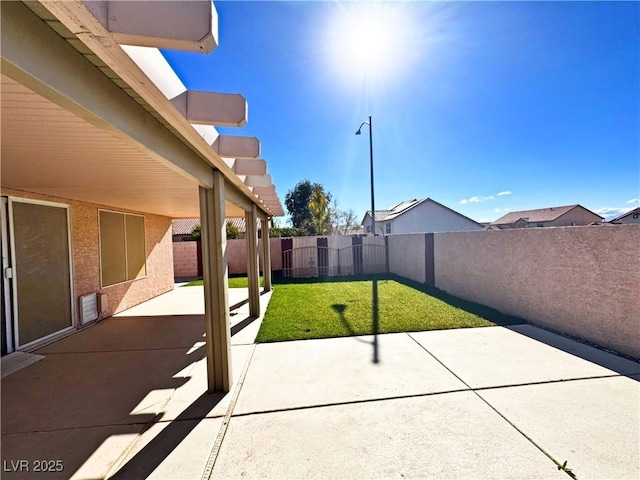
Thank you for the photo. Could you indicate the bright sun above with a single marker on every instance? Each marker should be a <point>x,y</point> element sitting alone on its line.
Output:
<point>369,42</point>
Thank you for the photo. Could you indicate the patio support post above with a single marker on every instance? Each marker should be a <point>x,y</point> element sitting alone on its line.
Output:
<point>266,254</point>
<point>252,261</point>
<point>216,293</point>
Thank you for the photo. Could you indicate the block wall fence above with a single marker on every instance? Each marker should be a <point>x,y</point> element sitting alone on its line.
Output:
<point>583,281</point>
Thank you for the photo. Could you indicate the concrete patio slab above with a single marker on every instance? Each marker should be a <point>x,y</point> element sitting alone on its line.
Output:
<point>181,301</point>
<point>133,333</point>
<point>91,389</point>
<point>87,453</point>
<point>593,424</point>
<point>179,404</point>
<point>244,328</point>
<point>169,451</point>
<point>453,435</point>
<point>320,372</point>
<point>17,361</point>
<point>499,356</point>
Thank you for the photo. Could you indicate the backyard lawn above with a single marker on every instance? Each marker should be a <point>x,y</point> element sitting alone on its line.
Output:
<point>344,308</point>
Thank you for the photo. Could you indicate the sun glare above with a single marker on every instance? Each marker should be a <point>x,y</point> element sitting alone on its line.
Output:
<point>369,42</point>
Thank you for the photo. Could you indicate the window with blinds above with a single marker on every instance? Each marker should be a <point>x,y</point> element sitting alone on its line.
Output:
<point>122,247</point>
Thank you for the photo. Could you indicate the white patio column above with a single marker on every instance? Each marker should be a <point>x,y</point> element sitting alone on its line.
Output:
<point>251,217</point>
<point>266,254</point>
<point>216,293</point>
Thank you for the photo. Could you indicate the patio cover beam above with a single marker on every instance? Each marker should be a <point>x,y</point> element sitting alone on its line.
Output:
<point>212,108</point>
<point>216,293</point>
<point>35,56</point>
<point>75,16</point>
<point>190,25</point>
<point>234,196</point>
<point>252,262</point>
<point>266,254</point>
<point>238,147</point>
<point>250,167</point>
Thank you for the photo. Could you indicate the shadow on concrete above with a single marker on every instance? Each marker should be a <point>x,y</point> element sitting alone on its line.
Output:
<point>144,462</point>
<point>109,380</point>
<point>581,348</point>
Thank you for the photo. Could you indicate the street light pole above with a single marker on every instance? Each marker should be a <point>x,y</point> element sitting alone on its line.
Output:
<point>373,203</point>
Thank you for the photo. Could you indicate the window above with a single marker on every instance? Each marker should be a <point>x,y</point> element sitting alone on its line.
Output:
<point>122,247</point>
<point>387,228</point>
<point>367,229</point>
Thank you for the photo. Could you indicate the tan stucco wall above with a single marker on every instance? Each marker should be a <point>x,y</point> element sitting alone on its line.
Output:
<point>579,280</point>
<point>86,254</point>
<point>406,256</point>
<point>185,259</point>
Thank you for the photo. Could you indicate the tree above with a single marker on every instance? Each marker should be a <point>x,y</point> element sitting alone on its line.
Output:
<point>297,203</point>
<point>320,212</point>
<point>343,222</point>
<point>232,232</point>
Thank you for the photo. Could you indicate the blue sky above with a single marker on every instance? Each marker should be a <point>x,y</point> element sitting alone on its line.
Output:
<point>486,107</point>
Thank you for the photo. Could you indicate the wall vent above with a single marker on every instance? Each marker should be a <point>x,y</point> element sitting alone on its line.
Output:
<point>88,308</point>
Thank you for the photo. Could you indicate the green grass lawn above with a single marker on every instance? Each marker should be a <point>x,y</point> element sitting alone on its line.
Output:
<point>234,282</point>
<point>344,308</point>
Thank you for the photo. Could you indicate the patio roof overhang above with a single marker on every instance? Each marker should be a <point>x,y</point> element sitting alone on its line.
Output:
<point>83,118</point>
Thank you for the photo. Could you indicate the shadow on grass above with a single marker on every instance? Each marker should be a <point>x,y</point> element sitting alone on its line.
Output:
<point>483,311</point>
<point>375,320</point>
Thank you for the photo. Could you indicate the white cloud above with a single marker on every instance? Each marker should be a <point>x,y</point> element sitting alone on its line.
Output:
<point>634,200</point>
<point>502,194</point>
<point>611,212</point>
<point>479,199</point>
<point>497,210</point>
<point>463,201</point>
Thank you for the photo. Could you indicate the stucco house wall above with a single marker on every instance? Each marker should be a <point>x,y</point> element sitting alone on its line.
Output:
<point>576,216</point>
<point>429,217</point>
<point>86,254</point>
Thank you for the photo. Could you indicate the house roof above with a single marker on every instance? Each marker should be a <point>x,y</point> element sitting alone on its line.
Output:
<point>539,215</point>
<point>184,226</point>
<point>403,207</point>
<point>626,214</point>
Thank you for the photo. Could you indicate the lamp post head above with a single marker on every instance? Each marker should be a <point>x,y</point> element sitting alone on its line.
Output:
<point>360,129</point>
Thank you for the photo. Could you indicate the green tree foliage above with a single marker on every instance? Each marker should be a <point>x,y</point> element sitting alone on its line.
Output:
<point>232,232</point>
<point>297,203</point>
<point>320,223</point>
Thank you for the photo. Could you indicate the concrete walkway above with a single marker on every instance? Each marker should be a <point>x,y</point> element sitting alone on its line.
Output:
<point>125,399</point>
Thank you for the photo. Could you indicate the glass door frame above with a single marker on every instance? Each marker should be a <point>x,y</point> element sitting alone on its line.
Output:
<point>14,320</point>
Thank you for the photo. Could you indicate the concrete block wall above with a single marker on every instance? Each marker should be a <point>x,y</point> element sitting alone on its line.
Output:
<point>185,259</point>
<point>407,256</point>
<point>584,281</point>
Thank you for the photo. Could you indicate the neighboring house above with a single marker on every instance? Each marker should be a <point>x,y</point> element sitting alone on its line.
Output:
<point>567,216</point>
<point>419,216</point>
<point>102,145</point>
<point>182,228</point>
<point>632,216</point>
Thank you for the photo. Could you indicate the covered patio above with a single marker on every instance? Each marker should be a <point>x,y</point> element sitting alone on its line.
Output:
<point>100,131</point>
